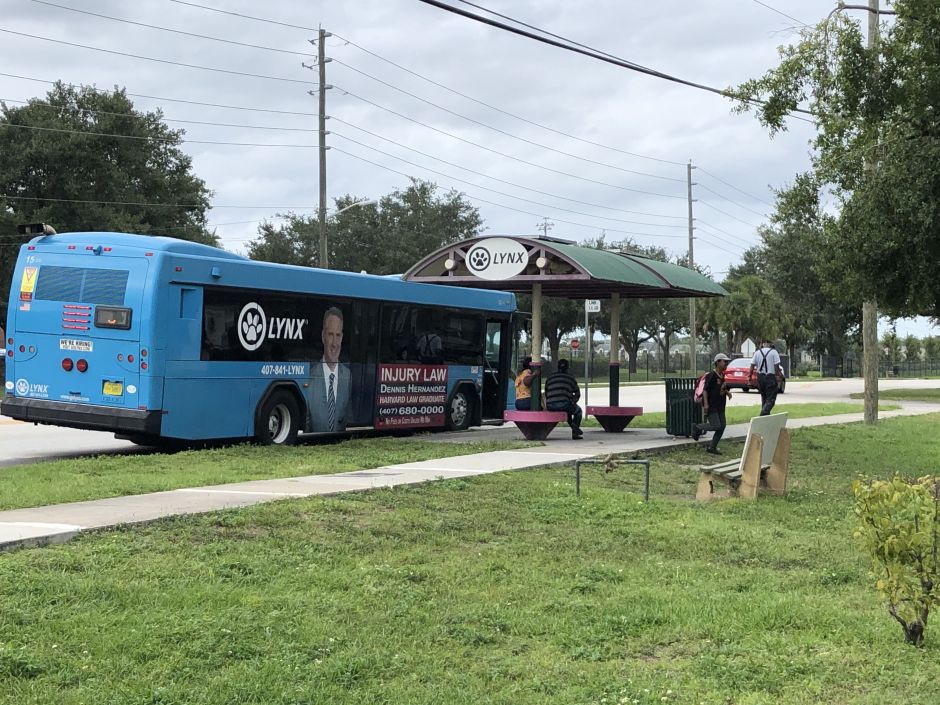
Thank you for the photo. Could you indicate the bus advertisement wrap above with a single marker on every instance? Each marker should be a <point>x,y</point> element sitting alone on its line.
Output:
<point>411,396</point>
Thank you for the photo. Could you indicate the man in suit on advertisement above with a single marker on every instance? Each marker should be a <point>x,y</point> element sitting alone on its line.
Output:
<point>329,391</point>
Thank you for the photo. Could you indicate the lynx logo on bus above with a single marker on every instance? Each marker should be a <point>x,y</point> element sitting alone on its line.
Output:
<point>254,327</point>
<point>497,258</point>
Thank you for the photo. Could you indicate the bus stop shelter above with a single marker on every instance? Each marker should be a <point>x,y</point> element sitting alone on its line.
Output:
<point>543,266</point>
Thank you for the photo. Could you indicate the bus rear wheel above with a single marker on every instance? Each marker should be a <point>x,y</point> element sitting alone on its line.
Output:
<point>278,420</point>
<point>459,411</point>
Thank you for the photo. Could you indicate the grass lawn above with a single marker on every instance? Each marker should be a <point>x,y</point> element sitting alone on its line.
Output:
<point>118,475</point>
<point>495,589</point>
<point>742,414</point>
<point>930,395</point>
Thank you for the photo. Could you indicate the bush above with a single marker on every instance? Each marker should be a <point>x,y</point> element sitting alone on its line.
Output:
<point>899,523</point>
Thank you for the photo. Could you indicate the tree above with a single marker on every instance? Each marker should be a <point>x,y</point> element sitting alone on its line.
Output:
<point>913,348</point>
<point>932,347</point>
<point>741,314</point>
<point>89,182</point>
<point>792,246</point>
<point>387,238</point>
<point>873,107</point>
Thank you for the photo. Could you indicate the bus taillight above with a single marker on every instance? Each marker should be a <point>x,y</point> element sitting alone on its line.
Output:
<point>82,365</point>
<point>130,358</point>
<point>67,364</point>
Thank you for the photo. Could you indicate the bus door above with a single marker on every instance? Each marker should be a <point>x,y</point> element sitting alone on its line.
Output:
<point>496,370</point>
<point>78,333</point>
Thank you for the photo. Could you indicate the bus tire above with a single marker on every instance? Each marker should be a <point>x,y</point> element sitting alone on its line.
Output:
<point>278,420</point>
<point>459,410</point>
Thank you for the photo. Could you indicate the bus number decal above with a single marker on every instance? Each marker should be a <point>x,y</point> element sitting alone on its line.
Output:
<point>285,369</point>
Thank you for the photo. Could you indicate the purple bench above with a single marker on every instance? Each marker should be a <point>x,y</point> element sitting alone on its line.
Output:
<point>535,425</point>
<point>614,418</point>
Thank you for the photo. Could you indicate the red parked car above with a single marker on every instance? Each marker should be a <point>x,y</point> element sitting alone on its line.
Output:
<point>738,376</point>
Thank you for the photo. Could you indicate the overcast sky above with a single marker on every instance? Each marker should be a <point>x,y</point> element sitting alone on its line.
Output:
<point>585,188</point>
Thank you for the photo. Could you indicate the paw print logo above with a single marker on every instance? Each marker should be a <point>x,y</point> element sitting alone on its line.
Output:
<point>252,325</point>
<point>478,259</point>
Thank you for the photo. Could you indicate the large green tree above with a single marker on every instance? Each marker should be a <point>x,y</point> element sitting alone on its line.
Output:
<point>53,169</point>
<point>386,238</point>
<point>792,252</point>
<point>876,149</point>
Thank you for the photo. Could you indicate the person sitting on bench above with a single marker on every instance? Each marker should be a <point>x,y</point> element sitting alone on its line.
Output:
<point>715,398</point>
<point>562,394</point>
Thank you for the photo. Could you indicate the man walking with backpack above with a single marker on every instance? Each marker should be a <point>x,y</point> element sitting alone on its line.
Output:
<point>769,375</point>
<point>714,398</point>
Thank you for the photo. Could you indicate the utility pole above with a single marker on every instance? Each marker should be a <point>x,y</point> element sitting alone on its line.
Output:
<point>870,308</point>
<point>321,64</point>
<point>545,226</point>
<point>691,266</point>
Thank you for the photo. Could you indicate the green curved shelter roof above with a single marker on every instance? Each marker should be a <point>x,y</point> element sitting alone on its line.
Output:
<point>571,271</point>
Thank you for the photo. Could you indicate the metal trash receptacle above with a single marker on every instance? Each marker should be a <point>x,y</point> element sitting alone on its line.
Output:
<point>681,411</point>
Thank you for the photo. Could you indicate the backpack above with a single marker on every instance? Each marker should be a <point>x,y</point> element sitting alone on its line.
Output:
<point>699,395</point>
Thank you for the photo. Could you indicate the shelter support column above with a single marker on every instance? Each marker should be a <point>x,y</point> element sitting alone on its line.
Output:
<point>614,380</point>
<point>536,404</point>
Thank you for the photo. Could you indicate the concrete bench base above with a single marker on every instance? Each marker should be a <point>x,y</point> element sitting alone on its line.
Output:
<point>614,419</point>
<point>535,425</point>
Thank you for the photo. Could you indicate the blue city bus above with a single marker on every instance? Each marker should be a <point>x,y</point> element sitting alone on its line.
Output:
<point>160,339</point>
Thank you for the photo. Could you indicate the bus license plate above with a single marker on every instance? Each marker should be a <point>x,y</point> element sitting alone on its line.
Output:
<point>113,389</point>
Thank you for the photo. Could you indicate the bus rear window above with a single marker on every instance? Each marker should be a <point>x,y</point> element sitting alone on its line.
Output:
<point>106,317</point>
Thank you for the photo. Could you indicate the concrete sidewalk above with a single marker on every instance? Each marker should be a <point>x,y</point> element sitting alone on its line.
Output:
<point>58,523</point>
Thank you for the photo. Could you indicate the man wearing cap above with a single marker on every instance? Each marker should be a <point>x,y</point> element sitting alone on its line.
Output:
<point>769,375</point>
<point>714,400</point>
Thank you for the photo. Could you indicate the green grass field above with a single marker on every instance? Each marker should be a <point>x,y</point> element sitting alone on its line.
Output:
<point>104,476</point>
<point>501,588</point>
<point>929,395</point>
<point>742,414</point>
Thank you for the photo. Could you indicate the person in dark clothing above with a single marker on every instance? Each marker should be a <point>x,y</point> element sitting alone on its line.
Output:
<point>562,394</point>
<point>766,363</point>
<point>714,401</point>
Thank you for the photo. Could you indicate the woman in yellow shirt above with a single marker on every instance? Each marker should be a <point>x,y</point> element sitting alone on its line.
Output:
<point>524,386</point>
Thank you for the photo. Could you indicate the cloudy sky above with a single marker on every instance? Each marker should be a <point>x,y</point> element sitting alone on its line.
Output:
<point>537,132</point>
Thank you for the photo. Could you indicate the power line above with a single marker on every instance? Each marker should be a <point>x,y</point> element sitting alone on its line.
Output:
<point>174,31</point>
<point>774,9</point>
<point>504,132</point>
<point>296,53</point>
<point>151,205</point>
<point>39,103</point>
<point>161,61</point>
<point>245,17</point>
<point>155,139</point>
<point>730,200</point>
<point>501,193</point>
<point>511,183</point>
<point>501,110</point>
<point>493,203</point>
<point>726,213</point>
<point>260,127</point>
<point>724,233</point>
<point>156,97</point>
<point>572,46</point>
<point>503,154</point>
<point>749,195</point>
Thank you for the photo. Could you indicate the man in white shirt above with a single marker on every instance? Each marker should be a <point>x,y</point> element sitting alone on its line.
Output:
<point>329,394</point>
<point>766,362</point>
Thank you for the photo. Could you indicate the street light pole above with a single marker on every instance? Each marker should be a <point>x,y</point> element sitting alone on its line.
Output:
<point>367,202</point>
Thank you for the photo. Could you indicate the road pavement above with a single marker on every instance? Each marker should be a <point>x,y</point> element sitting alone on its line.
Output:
<point>25,443</point>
